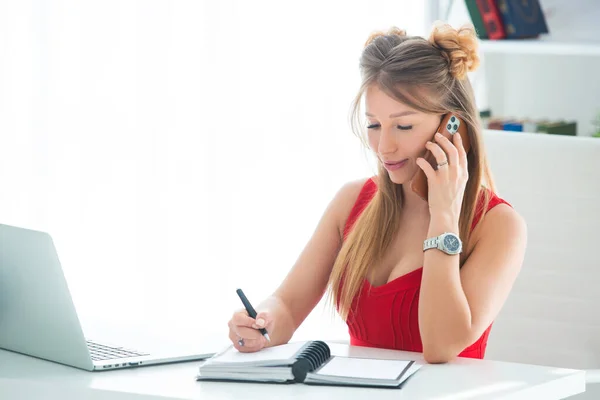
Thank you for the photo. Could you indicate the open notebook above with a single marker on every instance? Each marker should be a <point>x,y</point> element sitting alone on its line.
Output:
<point>305,362</point>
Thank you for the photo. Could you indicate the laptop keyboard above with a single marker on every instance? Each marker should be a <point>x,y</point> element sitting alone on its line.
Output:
<point>101,352</point>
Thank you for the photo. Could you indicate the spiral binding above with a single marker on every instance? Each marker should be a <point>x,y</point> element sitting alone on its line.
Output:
<point>311,358</point>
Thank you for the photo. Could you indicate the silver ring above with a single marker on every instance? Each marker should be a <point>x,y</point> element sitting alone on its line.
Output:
<point>241,342</point>
<point>443,163</point>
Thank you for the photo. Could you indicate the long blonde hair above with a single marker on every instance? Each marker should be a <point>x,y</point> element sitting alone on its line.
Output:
<point>402,66</point>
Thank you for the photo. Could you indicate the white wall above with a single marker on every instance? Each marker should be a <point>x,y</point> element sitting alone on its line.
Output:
<point>179,150</point>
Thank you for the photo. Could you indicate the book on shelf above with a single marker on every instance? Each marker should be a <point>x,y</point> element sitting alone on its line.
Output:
<point>492,19</point>
<point>522,19</point>
<point>307,362</point>
<point>507,19</point>
<point>478,23</point>
<point>560,127</point>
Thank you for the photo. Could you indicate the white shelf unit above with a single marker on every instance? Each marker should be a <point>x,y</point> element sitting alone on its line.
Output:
<point>541,80</point>
<point>540,47</point>
<point>546,78</point>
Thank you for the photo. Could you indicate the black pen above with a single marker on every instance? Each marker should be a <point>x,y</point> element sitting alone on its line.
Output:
<point>251,311</point>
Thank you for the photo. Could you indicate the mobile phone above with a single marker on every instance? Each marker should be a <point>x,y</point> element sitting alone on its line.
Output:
<point>450,124</point>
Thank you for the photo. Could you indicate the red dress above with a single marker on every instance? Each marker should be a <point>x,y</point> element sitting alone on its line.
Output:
<point>386,316</point>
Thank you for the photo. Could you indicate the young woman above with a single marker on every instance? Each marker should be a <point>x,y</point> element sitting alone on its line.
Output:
<point>369,247</point>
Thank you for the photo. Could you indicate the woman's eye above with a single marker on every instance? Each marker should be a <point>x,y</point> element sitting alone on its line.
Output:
<point>401,127</point>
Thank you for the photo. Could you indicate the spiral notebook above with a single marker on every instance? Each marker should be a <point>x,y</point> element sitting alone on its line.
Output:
<point>305,362</point>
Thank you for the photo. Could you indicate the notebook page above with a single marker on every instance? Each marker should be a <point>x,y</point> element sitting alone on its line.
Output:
<point>363,368</point>
<point>281,352</point>
<point>411,370</point>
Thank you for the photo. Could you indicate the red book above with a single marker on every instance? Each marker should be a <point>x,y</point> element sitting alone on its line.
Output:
<point>492,19</point>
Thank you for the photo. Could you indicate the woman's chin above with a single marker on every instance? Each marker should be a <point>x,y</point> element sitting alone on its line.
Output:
<point>398,179</point>
<point>401,177</point>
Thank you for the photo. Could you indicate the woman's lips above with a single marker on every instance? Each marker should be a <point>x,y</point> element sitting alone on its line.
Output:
<point>394,165</point>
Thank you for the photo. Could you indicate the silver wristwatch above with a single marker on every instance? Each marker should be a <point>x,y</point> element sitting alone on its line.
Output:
<point>447,242</point>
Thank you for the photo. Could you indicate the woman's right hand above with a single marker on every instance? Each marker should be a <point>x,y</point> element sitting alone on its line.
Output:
<point>244,331</point>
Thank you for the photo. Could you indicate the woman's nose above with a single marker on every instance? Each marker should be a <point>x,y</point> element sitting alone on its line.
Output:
<point>387,142</point>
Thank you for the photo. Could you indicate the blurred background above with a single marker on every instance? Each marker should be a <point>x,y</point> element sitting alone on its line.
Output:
<point>178,150</point>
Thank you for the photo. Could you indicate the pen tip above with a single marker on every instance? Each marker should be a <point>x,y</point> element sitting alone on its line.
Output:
<point>267,336</point>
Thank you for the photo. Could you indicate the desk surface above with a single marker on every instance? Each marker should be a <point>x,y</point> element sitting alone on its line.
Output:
<point>26,377</point>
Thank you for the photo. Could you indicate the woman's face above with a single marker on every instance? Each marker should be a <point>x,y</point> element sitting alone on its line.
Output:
<point>397,133</point>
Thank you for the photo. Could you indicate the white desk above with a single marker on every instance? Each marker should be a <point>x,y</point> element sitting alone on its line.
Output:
<point>23,377</point>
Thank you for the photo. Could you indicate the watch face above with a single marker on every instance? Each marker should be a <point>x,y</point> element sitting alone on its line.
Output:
<point>452,243</point>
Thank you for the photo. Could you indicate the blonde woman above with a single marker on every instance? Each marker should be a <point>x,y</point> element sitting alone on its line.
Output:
<point>372,248</point>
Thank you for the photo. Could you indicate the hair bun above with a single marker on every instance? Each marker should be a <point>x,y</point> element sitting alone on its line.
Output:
<point>392,31</point>
<point>458,46</point>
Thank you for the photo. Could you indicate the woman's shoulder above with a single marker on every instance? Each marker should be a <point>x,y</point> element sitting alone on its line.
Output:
<point>349,198</point>
<point>499,209</point>
<point>483,207</point>
<point>351,191</point>
<point>499,215</point>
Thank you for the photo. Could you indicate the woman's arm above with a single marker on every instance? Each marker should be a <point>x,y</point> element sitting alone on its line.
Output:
<point>306,282</point>
<point>457,305</point>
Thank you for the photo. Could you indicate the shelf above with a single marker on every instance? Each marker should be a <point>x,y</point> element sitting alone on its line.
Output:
<point>540,47</point>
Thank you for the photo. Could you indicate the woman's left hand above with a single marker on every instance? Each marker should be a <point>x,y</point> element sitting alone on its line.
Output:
<point>447,183</point>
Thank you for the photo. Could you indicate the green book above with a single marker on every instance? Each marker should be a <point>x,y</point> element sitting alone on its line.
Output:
<point>559,128</point>
<point>485,113</point>
<point>476,18</point>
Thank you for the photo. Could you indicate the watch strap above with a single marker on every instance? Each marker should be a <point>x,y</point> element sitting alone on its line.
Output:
<point>431,243</point>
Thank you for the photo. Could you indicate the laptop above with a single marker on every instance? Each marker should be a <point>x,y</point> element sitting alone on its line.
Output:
<point>38,317</point>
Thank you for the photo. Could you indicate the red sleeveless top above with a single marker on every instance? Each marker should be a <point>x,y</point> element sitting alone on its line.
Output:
<point>386,316</point>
